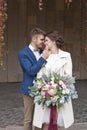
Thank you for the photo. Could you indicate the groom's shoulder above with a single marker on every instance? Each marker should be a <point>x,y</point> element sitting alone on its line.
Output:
<point>23,51</point>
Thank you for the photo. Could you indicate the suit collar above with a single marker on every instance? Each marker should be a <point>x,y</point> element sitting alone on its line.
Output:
<point>31,47</point>
<point>31,54</point>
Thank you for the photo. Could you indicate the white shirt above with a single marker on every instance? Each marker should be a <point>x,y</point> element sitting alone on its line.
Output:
<point>36,53</point>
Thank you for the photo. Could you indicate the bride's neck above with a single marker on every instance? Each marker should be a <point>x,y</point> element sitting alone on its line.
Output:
<point>54,50</point>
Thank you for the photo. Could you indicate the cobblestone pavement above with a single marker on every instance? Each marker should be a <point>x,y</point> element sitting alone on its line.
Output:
<point>11,104</point>
<point>76,126</point>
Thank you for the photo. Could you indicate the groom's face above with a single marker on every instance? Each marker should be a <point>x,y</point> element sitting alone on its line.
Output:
<point>39,41</point>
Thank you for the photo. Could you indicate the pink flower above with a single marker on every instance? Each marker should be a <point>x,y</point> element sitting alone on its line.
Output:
<point>47,86</point>
<point>43,93</point>
<point>61,83</point>
<point>49,83</point>
<point>63,86</point>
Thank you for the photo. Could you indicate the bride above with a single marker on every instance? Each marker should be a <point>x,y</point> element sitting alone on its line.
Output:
<point>58,61</point>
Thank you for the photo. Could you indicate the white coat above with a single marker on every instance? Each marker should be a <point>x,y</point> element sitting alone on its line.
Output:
<point>61,63</point>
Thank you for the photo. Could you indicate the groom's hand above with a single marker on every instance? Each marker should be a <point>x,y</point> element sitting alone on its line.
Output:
<point>45,53</point>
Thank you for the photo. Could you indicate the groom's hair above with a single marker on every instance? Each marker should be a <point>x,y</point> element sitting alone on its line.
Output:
<point>36,31</point>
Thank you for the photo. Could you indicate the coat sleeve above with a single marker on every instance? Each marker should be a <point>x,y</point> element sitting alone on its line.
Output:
<point>27,66</point>
<point>68,66</point>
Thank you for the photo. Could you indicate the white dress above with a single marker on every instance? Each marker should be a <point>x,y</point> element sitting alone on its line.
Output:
<point>56,62</point>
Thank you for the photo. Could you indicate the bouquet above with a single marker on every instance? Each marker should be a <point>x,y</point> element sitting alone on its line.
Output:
<point>53,90</point>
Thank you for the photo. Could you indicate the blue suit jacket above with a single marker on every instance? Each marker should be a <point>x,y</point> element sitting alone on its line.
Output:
<point>30,67</point>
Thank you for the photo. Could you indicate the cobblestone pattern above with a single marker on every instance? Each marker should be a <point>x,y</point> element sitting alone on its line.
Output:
<point>11,104</point>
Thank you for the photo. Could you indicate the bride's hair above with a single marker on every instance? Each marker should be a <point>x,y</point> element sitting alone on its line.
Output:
<point>55,36</point>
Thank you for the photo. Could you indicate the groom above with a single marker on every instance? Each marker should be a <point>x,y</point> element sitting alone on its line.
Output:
<point>31,62</point>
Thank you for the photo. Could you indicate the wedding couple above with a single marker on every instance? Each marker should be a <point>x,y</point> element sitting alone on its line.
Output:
<point>44,50</point>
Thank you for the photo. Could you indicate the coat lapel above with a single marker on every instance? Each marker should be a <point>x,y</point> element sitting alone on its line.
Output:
<point>31,55</point>
<point>62,59</point>
<point>61,62</point>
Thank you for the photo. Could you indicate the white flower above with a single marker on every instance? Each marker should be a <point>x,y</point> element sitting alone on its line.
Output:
<point>37,92</point>
<point>54,99</point>
<point>52,91</point>
<point>62,100</point>
<point>52,79</point>
<point>39,86</point>
<point>65,91</point>
<point>34,82</point>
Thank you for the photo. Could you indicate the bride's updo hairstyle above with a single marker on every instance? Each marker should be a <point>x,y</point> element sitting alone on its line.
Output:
<point>55,36</point>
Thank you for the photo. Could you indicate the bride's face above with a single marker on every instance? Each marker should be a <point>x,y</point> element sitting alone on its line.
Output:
<point>49,43</point>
